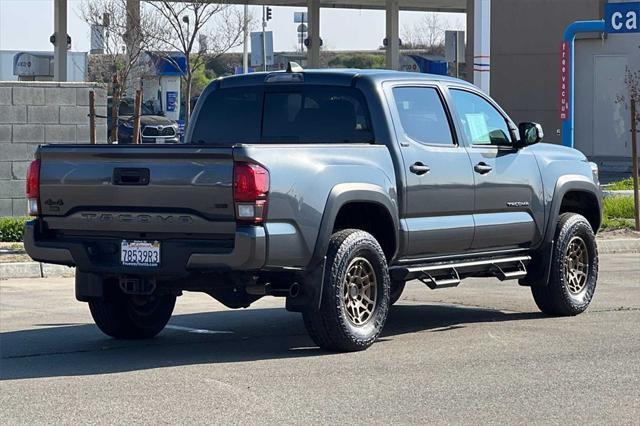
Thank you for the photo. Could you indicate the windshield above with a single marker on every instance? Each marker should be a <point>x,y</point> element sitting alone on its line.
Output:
<point>127,108</point>
<point>283,114</point>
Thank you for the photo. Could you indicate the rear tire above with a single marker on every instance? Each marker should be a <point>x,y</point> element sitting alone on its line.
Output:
<point>355,295</point>
<point>123,316</point>
<point>574,269</point>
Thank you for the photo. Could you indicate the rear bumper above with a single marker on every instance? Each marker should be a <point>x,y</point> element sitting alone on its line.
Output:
<point>179,257</point>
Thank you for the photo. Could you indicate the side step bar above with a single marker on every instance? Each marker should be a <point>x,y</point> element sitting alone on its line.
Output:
<point>442,275</point>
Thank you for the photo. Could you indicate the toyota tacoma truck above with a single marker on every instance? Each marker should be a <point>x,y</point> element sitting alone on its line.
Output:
<point>330,188</point>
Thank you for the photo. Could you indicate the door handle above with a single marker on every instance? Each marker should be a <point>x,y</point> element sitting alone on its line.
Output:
<point>419,168</point>
<point>482,168</point>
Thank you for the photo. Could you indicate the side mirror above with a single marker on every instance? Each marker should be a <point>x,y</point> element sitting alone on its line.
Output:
<point>530,133</point>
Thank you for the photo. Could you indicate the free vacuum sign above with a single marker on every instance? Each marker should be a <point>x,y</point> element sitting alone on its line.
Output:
<point>622,17</point>
<point>564,80</point>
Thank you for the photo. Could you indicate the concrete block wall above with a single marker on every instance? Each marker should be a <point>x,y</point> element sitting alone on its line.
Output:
<point>34,113</point>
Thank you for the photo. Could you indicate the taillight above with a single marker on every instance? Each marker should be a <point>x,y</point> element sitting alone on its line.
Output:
<point>33,188</point>
<point>250,190</point>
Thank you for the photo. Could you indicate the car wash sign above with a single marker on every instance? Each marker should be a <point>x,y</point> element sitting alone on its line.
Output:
<point>622,17</point>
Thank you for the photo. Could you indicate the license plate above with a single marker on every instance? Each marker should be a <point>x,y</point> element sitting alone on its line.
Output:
<point>140,253</point>
<point>159,140</point>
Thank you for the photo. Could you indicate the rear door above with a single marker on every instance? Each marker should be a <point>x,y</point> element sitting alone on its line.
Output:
<point>438,201</point>
<point>508,211</point>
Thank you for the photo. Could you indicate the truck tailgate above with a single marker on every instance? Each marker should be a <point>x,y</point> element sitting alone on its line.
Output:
<point>138,188</point>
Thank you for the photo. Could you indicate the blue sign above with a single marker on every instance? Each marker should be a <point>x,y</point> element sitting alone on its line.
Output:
<point>171,101</point>
<point>172,64</point>
<point>622,17</point>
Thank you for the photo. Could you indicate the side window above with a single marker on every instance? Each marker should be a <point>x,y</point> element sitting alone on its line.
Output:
<point>482,123</point>
<point>422,115</point>
<point>229,116</point>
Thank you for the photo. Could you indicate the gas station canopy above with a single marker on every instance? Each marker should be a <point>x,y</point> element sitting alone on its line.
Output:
<point>392,23</point>
<point>459,6</point>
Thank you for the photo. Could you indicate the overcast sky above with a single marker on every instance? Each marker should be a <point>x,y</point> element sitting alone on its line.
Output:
<point>27,25</point>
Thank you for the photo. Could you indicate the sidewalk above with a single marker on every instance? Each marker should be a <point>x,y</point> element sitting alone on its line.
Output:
<point>15,263</point>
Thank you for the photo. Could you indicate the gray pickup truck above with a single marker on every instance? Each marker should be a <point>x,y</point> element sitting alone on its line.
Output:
<point>331,188</point>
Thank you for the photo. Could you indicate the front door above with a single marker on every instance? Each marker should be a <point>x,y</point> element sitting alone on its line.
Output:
<point>509,211</point>
<point>438,197</point>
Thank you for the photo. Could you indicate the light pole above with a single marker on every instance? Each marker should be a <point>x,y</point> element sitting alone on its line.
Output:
<point>245,50</point>
<point>264,39</point>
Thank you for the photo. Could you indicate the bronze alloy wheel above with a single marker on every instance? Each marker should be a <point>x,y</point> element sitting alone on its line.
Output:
<point>576,265</point>
<point>359,291</point>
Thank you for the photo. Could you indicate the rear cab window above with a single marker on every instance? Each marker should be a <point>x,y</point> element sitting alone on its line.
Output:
<point>283,114</point>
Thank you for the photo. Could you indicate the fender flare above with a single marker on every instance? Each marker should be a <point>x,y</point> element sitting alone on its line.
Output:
<point>339,196</point>
<point>346,193</point>
<point>566,184</point>
<point>540,266</point>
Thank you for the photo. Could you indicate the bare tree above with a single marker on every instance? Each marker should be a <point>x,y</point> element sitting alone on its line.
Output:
<point>200,31</point>
<point>123,44</point>
<point>632,81</point>
<point>428,33</point>
<point>631,101</point>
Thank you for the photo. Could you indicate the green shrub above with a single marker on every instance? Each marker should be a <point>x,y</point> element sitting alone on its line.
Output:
<point>621,207</point>
<point>12,229</point>
<point>617,223</point>
<point>621,185</point>
<point>618,213</point>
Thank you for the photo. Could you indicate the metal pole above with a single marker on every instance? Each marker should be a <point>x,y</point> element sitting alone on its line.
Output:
<point>136,117</point>
<point>634,162</point>
<point>60,48</point>
<point>115,107</point>
<point>392,22</point>
<point>264,40</point>
<point>92,117</point>
<point>482,45</point>
<point>245,49</point>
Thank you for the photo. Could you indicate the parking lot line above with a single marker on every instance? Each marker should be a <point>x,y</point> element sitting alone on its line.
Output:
<point>197,330</point>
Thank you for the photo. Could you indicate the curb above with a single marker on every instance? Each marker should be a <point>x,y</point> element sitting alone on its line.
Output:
<point>619,193</point>
<point>46,270</point>
<point>627,245</point>
<point>34,270</point>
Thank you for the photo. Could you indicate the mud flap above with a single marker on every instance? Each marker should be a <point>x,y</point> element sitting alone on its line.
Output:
<point>539,268</point>
<point>88,286</point>
<point>311,295</point>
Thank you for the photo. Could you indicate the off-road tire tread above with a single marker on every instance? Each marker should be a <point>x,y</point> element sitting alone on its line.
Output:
<point>327,326</point>
<point>554,299</point>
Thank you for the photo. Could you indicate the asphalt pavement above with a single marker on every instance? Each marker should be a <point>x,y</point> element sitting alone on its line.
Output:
<point>478,353</point>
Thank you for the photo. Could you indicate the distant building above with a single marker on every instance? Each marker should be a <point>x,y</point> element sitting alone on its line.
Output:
<point>526,36</point>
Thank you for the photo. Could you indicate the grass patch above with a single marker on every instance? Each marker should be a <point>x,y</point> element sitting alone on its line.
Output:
<point>618,213</point>
<point>621,185</point>
<point>12,229</point>
<point>621,207</point>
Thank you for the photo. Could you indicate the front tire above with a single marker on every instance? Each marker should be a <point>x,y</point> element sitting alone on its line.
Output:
<point>355,294</point>
<point>123,316</point>
<point>574,269</point>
